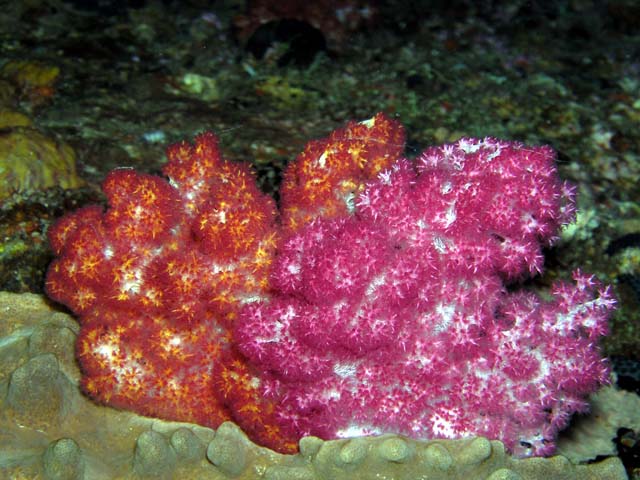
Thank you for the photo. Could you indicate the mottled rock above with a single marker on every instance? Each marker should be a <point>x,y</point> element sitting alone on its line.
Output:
<point>608,469</point>
<point>51,338</point>
<point>98,443</point>
<point>228,450</point>
<point>154,457</point>
<point>353,452</point>
<point>309,446</point>
<point>436,457</point>
<point>504,474</point>
<point>395,450</point>
<point>39,393</point>
<point>13,354</point>
<point>31,161</point>
<point>281,472</point>
<point>63,461</point>
<point>187,445</point>
<point>477,451</point>
<point>590,435</point>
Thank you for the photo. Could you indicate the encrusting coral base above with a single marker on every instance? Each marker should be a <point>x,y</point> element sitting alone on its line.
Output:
<point>51,431</point>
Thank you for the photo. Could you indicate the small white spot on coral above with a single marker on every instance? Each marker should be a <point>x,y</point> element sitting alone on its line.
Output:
<point>344,369</point>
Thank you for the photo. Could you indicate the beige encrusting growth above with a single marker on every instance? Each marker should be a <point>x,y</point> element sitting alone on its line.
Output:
<point>49,430</point>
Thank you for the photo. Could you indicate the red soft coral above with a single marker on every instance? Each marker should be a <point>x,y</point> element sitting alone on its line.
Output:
<point>158,277</point>
<point>325,178</point>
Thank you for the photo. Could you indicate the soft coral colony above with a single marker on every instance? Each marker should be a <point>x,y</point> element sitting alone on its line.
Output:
<point>381,298</point>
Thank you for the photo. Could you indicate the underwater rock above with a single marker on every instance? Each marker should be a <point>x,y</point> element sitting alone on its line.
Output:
<point>187,445</point>
<point>228,450</point>
<point>55,433</point>
<point>63,461</point>
<point>153,456</point>
<point>31,161</point>
<point>35,80</point>
<point>592,436</point>
<point>39,393</point>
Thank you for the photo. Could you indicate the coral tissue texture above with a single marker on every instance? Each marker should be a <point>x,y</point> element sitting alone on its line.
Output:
<point>383,298</point>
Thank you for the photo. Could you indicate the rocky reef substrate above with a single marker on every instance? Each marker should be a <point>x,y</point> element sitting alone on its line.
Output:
<point>49,430</point>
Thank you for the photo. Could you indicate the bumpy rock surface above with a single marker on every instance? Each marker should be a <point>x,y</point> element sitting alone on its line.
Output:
<point>29,161</point>
<point>49,430</point>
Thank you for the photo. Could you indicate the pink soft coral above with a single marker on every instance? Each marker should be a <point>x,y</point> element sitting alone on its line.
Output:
<point>396,318</point>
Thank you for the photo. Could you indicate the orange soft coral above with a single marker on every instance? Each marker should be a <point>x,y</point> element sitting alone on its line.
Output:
<point>156,280</point>
<point>328,175</point>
